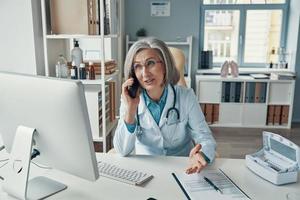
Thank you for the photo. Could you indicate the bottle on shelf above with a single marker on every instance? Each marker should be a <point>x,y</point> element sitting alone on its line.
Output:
<point>82,72</point>
<point>57,71</point>
<point>91,71</point>
<point>76,54</point>
<point>62,67</point>
<point>74,73</point>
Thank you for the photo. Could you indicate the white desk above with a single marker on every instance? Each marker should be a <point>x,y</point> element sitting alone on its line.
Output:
<point>163,186</point>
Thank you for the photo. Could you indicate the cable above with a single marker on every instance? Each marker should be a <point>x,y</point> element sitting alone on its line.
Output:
<point>4,160</point>
<point>40,166</point>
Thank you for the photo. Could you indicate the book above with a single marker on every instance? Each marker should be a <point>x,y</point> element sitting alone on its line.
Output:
<point>259,76</point>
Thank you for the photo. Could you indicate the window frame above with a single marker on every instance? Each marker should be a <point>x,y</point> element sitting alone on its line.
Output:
<point>243,8</point>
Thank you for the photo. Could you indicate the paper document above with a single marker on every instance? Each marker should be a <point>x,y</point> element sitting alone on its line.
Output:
<point>197,188</point>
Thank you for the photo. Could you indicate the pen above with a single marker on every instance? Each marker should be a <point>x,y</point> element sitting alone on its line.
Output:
<point>212,184</point>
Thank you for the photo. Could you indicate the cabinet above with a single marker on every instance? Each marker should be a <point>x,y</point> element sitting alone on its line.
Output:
<point>245,101</point>
<point>96,45</point>
<point>187,48</point>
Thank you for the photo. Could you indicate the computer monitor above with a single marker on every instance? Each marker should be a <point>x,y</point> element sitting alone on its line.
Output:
<point>57,110</point>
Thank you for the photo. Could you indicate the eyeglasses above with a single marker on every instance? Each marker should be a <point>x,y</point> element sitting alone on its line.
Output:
<point>149,64</point>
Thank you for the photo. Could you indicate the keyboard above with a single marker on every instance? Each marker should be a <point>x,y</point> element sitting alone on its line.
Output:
<point>132,177</point>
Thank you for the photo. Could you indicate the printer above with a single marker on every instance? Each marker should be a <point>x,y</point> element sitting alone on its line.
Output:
<point>278,161</point>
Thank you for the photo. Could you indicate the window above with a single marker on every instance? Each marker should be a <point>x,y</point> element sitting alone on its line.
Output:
<point>248,31</point>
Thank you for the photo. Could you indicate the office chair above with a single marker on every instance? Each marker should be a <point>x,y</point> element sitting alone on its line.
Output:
<point>179,59</point>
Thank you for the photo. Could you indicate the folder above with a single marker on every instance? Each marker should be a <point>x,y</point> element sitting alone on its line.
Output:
<point>227,92</point>
<point>277,115</point>
<point>69,16</point>
<point>202,105</point>
<point>270,117</point>
<point>232,91</point>
<point>238,92</point>
<point>209,113</point>
<point>285,115</point>
<point>215,113</point>
<point>257,92</point>
<point>263,93</point>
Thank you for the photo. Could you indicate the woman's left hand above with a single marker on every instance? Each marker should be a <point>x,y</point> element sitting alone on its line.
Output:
<point>197,161</point>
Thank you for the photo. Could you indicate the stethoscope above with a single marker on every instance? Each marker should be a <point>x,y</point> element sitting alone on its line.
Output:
<point>172,116</point>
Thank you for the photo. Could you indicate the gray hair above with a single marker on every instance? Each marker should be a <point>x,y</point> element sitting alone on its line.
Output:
<point>171,76</point>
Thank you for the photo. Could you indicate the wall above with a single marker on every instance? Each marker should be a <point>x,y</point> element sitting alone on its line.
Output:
<point>183,22</point>
<point>293,45</point>
<point>21,42</point>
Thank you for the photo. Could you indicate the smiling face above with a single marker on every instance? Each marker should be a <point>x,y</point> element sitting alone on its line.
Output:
<point>149,69</point>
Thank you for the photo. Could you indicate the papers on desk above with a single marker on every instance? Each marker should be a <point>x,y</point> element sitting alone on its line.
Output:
<point>197,188</point>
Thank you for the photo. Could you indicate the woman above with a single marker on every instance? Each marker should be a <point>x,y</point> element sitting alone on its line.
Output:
<point>163,118</point>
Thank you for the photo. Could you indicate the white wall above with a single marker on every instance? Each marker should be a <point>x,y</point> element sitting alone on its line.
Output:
<point>21,37</point>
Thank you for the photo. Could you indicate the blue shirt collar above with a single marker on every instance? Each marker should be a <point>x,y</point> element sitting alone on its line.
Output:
<point>162,99</point>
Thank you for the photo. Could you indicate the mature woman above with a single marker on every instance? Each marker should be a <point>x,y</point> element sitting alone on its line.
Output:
<point>163,118</point>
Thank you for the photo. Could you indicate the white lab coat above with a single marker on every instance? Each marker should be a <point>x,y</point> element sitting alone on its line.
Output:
<point>164,139</point>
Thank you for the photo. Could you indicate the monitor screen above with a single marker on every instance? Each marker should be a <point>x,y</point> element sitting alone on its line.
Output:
<point>57,109</point>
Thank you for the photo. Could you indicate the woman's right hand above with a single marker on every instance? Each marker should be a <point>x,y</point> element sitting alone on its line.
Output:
<point>131,103</point>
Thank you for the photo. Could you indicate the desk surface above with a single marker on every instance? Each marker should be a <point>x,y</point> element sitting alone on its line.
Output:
<point>163,186</point>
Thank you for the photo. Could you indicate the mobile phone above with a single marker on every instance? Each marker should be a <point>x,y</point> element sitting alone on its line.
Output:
<point>132,90</point>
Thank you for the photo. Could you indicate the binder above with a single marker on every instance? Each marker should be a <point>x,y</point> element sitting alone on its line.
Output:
<point>209,113</point>
<point>227,92</point>
<point>251,92</point>
<point>232,91</point>
<point>223,92</point>
<point>277,115</point>
<point>215,113</point>
<point>202,105</point>
<point>285,115</point>
<point>270,117</point>
<point>263,93</point>
<point>247,94</point>
<point>257,92</point>
<point>238,92</point>
<point>69,16</point>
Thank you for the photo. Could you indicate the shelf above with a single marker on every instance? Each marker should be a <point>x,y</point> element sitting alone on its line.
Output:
<point>248,126</point>
<point>79,36</point>
<point>98,80</point>
<point>242,70</point>
<point>168,43</point>
<point>109,128</point>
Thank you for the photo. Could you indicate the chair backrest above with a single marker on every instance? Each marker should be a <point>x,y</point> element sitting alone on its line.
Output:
<point>179,59</point>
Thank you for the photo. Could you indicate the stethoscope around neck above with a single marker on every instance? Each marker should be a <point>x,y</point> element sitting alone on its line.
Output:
<point>172,116</point>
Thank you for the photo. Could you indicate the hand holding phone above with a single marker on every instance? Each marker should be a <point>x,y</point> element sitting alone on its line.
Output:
<point>132,90</point>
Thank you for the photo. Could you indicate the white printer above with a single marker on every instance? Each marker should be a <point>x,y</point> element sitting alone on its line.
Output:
<point>278,161</point>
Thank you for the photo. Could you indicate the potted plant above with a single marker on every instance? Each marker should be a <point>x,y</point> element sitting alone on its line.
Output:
<point>141,33</point>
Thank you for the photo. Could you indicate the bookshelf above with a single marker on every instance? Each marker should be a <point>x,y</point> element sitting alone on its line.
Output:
<point>101,94</point>
<point>187,48</point>
<point>245,101</point>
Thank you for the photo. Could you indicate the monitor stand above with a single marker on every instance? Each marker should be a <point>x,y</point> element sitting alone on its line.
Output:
<point>16,182</point>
